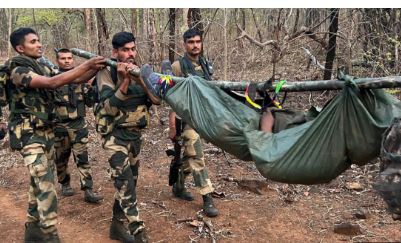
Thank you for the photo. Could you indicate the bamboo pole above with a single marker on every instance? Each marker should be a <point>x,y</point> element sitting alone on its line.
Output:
<point>365,83</point>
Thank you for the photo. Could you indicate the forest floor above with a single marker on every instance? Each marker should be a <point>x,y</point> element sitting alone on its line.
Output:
<point>252,209</point>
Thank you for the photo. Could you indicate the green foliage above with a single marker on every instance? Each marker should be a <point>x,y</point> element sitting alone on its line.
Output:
<point>43,17</point>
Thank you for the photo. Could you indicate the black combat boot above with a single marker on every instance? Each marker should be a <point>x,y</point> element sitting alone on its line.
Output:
<point>140,235</point>
<point>91,197</point>
<point>182,193</point>
<point>51,238</point>
<point>119,232</point>
<point>66,190</point>
<point>208,206</point>
<point>34,234</point>
<point>117,229</point>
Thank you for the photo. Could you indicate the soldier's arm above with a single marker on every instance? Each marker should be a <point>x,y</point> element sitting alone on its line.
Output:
<point>171,125</point>
<point>71,76</point>
<point>86,77</point>
<point>123,69</point>
<point>155,100</point>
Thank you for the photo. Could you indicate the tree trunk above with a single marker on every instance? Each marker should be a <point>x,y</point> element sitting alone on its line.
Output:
<point>225,45</point>
<point>102,31</point>
<point>256,25</point>
<point>331,53</point>
<point>10,27</point>
<point>241,18</point>
<point>194,20</point>
<point>134,21</point>
<point>88,28</point>
<point>34,21</point>
<point>152,35</point>
<point>171,43</point>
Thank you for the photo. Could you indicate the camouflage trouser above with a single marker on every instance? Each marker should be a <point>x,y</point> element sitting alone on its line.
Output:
<point>69,138</point>
<point>124,166</point>
<point>193,161</point>
<point>38,153</point>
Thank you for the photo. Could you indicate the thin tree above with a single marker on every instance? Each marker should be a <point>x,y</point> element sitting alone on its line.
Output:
<point>194,19</point>
<point>10,27</point>
<point>331,53</point>
<point>102,30</point>
<point>88,27</point>
<point>152,35</point>
<point>134,21</point>
<point>171,43</point>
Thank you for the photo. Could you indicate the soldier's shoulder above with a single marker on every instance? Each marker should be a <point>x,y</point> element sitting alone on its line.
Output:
<point>176,68</point>
<point>176,63</point>
<point>21,70</point>
<point>104,73</point>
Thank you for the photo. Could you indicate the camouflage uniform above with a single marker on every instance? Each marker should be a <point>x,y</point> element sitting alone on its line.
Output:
<point>71,132</point>
<point>31,133</point>
<point>193,158</point>
<point>119,119</point>
<point>4,76</point>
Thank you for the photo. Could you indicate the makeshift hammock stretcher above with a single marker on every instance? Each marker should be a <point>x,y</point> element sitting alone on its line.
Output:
<point>303,149</point>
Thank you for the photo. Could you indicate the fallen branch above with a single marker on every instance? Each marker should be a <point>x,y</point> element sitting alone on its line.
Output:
<point>312,59</point>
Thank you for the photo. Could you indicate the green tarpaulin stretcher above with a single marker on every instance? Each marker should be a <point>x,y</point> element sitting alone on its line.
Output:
<point>301,150</point>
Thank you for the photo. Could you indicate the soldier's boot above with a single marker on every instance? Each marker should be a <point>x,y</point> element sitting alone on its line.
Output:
<point>91,197</point>
<point>34,234</point>
<point>117,229</point>
<point>66,190</point>
<point>182,193</point>
<point>208,206</point>
<point>51,238</point>
<point>141,236</point>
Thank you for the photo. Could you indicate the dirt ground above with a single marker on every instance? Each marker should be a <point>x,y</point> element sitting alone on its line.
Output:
<point>251,208</point>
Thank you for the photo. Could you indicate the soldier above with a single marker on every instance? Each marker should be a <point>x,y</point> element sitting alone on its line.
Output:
<point>193,160</point>
<point>31,128</point>
<point>71,132</point>
<point>121,114</point>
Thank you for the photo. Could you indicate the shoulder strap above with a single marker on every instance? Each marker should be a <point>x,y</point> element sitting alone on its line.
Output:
<point>114,77</point>
<point>186,66</point>
<point>205,67</point>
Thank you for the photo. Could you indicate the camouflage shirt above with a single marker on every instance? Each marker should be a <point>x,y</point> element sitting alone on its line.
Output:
<point>128,112</point>
<point>29,104</point>
<point>70,101</point>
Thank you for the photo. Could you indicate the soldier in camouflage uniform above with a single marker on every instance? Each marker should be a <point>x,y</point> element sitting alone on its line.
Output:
<point>193,160</point>
<point>71,132</point>
<point>121,114</point>
<point>3,98</point>
<point>31,128</point>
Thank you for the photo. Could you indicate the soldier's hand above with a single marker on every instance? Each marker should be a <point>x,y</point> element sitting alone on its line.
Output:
<point>172,134</point>
<point>122,69</point>
<point>96,63</point>
<point>135,68</point>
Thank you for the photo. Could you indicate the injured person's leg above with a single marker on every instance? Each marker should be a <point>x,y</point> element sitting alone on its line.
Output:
<point>266,121</point>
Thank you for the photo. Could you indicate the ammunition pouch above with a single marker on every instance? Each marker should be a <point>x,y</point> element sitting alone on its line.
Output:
<point>104,122</point>
<point>69,102</point>
<point>66,112</point>
<point>19,132</point>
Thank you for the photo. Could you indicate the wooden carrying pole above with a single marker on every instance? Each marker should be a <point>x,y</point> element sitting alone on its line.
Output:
<point>299,86</point>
